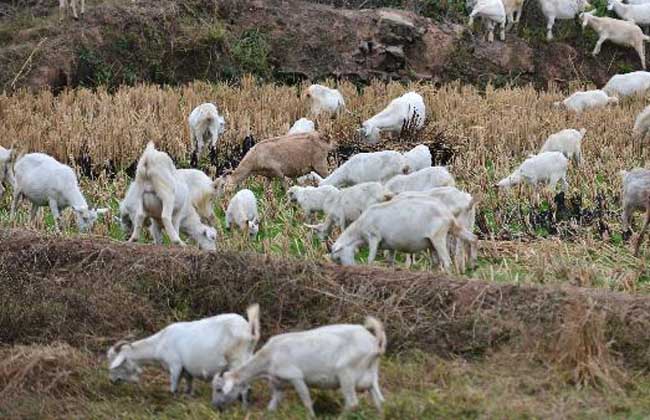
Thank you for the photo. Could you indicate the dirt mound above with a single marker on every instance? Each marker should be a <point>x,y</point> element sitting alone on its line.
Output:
<point>92,291</point>
<point>285,40</point>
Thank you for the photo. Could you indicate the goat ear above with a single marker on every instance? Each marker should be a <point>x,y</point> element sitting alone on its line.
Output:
<point>117,361</point>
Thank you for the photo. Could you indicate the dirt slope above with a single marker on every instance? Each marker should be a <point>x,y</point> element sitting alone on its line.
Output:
<point>286,40</point>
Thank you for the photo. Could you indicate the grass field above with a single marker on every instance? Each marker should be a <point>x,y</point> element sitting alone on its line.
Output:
<point>526,238</point>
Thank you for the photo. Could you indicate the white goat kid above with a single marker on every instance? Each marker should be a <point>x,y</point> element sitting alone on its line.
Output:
<point>549,167</point>
<point>202,192</point>
<point>197,349</point>
<point>400,112</point>
<point>424,179</point>
<point>242,211</point>
<point>418,157</point>
<point>7,157</point>
<point>340,356</point>
<point>617,31</point>
<point>44,181</point>
<point>303,125</point>
<point>206,125</point>
<point>368,167</point>
<point>568,142</point>
<point>583,101</point>
<point>63,6</point>
<point>311,199</point>
<point>629,84</point>
<point>561,10</point>
<point>493,13</point>
<point>324,100</point>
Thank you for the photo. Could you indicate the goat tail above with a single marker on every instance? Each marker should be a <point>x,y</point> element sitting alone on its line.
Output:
<point>460,232</point>
<point>376,327</point>
<point>253,314</point>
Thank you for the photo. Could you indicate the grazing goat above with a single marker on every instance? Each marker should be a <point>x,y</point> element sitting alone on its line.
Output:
<point>340,356</point>
<point>311,199</point>
<point>324,100</point>
<point>346,206</point>
<point>629,84</point>
<point>617,31</point>
<point>633,13</point>
<point>642,124</point>
<point>418,157</point>
<point>424,179</point>
<point>197,349</point>
<point>401,112</point>
<point>44,181</point>
<point>368,167</point>
<point>636,197</point>
<point>7,157</point>
<point>568,142</point>
<point>408,225</point>
<point>286,156</point>
<point>242,211</point>
<point>562,10</point>
<point>582,101</point>
<point>202,192</point>
<point>493,13</point>
<point>206,125</point>
<point>549,167</point>
<point>303,125</point>
<point>63,6</point>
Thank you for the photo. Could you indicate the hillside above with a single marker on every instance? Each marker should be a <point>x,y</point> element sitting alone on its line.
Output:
<point>171,42</point>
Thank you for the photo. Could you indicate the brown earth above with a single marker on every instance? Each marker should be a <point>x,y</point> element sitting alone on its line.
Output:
<point>174,42</point>
<point>91,291</point>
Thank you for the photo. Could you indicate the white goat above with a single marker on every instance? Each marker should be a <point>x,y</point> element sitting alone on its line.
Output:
<point>340,356</point>
<point>407,109</point>
<point>642,124</point>
<point>242,211</point>
<point>311,199</point>
<point>638,1</point>
<point>202,192</point>
<point>7,157</point>
<point>424,179</point>
<point>582,101</point>
<point>418,157</point>
<point>549,167</point>
<point>493,13</point>
<point>346,206</point>
<point>324,99</point>
<point>63,6</point>
<point>408,225</point>
<point>197,349</point>
<point>629,84</point>
<point>634,13</point>
<point>636,197</point>
<point>617,31</point>
<point>44,181</point>
<point>561,10</point>
<point>568,142</point>
<point>303,125</point>
<point>368,167</point>
<point>205,125</point>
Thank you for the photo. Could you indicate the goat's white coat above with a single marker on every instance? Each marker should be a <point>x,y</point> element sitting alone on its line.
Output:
<point>561,10</point>
<point>583,101</point>
<point>549,167</point>
<point>324,100</point>
<point>311,199</point>
<point>303,125</point>
<point>392,119</point>
<point>242,211</point>
<point>418,157</point>
<point>368,167</point>
<point>642,124</point>
<point>568,142</point>
<point>6,169</point>
<point>629,84</point>
<point>205,124</point>
<point>636,193</point>
<point>424,179</point>
<point>634,13</point>
<point>494,13</point>
<point>202,192</point>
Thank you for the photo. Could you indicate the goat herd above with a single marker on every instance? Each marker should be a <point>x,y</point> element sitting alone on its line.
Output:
<point>395,201</point>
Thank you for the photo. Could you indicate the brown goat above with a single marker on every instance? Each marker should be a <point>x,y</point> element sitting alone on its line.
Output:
<point>287,156</point>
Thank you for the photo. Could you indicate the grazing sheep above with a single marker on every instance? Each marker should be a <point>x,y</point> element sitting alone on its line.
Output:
<point>424,179</point>
<point>400,112</point>
<point>617,31</point>
<point>206,125</point>
<point>408,225</point>
<point>346,206</point>
<point>63,6</point>
<point>582,101</point>
<point>282,157</point>
<point>549,167</point>
<point>340,356</point>
<point>197,349</point>
<point>311,199</point>
<point>324,99</point>
<point>418,157</point>
<point>642,124</point>
<point>629,84</point>
<point>7,157</point>
<point>568,142</point>
<point>636,197</point>
<point>44,181</point>
<point>633,13</point>
<point>562,10</point>
<point>242,211</point>
<point>493,13</point>
<point>202,192</point>
<point>303,125</point>
<point>368,167</point>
